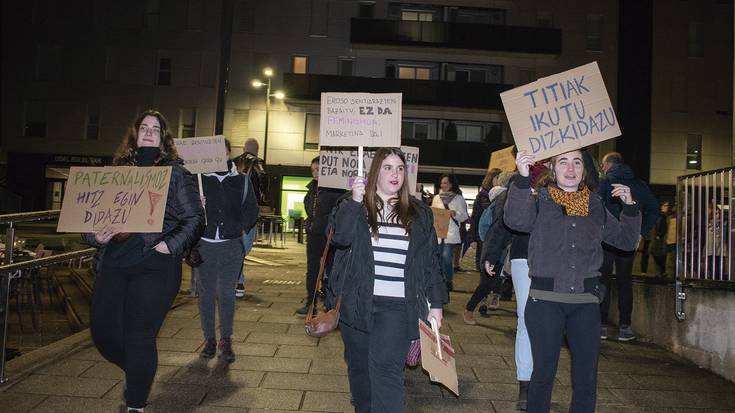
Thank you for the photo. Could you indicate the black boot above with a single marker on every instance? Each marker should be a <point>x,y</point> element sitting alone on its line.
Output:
<point>522,395</point>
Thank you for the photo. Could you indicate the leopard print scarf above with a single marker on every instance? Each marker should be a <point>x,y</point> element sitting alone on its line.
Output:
<point>573,203</point>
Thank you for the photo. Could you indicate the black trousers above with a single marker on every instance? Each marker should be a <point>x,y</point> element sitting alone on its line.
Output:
<point>315,244</point>
<point>376,359</point>
<point>645,255</point>
<point>486,286</point>
<point>128,308</point>
<point>547,323</point>
<point>623,262</point>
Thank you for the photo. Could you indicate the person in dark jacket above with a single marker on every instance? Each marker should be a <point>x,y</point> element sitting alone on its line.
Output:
<point>567,223</point>
<point>616,172</point>
<point>482,201</point>
<point>318,203</point>
<point>139,275</point>
<point>495,243</point>
<point>386,269</point>
<point>232,210</point>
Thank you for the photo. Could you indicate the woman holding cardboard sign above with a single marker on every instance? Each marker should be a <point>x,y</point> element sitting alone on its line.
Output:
<point>138,275</point>
<point>567,223</point>
<point>386,271</point>
<point>450,198</point>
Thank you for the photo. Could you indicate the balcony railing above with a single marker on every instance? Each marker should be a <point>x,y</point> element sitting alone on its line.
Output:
<point>415,92</point>
<point>488,37</point>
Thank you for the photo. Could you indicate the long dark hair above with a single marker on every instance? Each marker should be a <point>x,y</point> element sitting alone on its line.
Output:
<point>452,181</point>
<point>590,176</point>
<point>125,154</point>
<point>404,212</point>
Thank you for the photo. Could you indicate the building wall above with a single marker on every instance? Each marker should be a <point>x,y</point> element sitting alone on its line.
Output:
<point>691,94</point>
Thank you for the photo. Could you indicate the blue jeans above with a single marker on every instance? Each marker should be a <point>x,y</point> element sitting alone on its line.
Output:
<point>448,261</point>
<point>248,239</point>
<point>522,284</point>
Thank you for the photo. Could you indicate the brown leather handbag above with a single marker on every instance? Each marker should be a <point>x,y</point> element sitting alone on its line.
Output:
<point>323,324</point>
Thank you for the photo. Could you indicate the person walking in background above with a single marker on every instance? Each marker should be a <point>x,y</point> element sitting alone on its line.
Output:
<point>482,201</point>
<point>671,243</point>
<point>495,241</point>
<point>657,246</point>
<point>450,198</point>
<point>386,270</point>
<point>567,223</point>
<point>617,172</point>
<point>231,211</point>
<point>318,203</point>
<point>249,164</point>
<point>139,275</point>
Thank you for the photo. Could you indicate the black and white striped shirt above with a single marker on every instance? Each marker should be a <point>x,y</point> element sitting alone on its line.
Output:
<point>389,254</point>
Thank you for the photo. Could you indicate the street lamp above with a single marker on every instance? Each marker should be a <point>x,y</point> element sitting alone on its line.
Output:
<point>268,72</point>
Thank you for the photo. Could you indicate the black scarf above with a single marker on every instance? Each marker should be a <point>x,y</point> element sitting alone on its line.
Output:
<point>147,155</point>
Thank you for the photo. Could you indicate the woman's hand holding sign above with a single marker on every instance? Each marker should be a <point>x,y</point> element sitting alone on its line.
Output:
<point>104,235</point>
<point>358,189</point>
<point>524,162</point>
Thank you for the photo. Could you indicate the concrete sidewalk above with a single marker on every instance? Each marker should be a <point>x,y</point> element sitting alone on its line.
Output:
<point>279,368</point>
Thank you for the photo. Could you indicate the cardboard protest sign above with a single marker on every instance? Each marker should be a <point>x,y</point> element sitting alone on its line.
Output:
<point>337,168</point>
<point>503,160</point>
<point>560,113</point>
<point>127,198</point>
<point>438,361</point>
<point>203,154</point>
<point>441,221</point>
<point>360,119</point>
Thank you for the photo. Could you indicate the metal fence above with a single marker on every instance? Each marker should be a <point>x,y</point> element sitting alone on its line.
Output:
<point>10,271</point>
<point>704,246</point>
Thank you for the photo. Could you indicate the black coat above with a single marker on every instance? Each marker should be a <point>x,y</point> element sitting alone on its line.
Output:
<point>183,219</point>
<point>478,207</point>
<point>353,271</point>
<point>319,203</point>
<point>642,195</point>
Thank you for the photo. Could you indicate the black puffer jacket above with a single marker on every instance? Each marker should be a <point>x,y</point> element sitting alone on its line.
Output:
<point>353,271</point>
<point>647,202</point>
<point>478,207</point>
<point>183,220</point>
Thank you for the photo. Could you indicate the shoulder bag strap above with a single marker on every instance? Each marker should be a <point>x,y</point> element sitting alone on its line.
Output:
<point>320,277</point>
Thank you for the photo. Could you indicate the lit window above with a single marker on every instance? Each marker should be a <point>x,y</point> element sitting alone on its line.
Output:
<point>420,73</point>
<point>299,64</point>
<point>694,152</point>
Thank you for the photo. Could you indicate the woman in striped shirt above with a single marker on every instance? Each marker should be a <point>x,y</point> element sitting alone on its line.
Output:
<point>386,268</point>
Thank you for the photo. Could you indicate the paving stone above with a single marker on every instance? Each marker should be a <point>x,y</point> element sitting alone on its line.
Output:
<point>68,367</point>
<point>312,382</point>
<point>327,402</point>
<point>90,353</point>
<point>254,398</point>
<point>486,349</point>
<point>248,316</point>
<point>179,344</point>
<point>309,352</point>
<point>496,375</point>
<point>489,362</point>
<point>175,395</point>
<point>269,338</point>
<point>489,391</point>
<point>287,319</point>
<point>448,405</point>
<point>255,349</point>
<point>168,331</point>
<point>19,402</point>
<point>103,370</point>
<point>59,404</point>
<point>63,386</point>
<point>328,367</point>
<point>213,377</point>
<point>271,364</point>
<point>176,358</point>
<point>677,399</point>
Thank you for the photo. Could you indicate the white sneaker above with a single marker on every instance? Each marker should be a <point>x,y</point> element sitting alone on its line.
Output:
<point>240,291</point>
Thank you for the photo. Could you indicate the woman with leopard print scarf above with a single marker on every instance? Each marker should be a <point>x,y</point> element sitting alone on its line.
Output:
<point>568,223</point>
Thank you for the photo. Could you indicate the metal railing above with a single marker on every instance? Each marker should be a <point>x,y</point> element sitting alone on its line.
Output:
<point>704,245</point>
<point>10,271</point>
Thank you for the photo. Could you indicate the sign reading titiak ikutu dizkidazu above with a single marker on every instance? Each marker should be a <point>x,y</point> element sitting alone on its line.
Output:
<point>126,198</point>
<point>560,113</point>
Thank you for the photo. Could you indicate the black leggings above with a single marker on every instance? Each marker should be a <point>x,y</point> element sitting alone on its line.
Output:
<point>128,309</point>
<point>486,286</point>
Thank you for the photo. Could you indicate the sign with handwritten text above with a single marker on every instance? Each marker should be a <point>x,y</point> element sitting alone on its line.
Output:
<point>360,119</point>
<point>127,198</point>
<point>503,160</point>
<point>337,169</point>
<point>204,154</point>
<point>560,113</point>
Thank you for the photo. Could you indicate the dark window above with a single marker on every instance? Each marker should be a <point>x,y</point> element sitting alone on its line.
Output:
<point>694,152</point>
<point>319,18</point>
<point>35,119</point>
<point>244,16</point>
<point>194,14</point>
<point>367,10</point>
<point>93,122</point>
<point>696,42</point>
<point>311,131</point>
<point>593,40</point>
<point>164,71</point>
<point>187,122</point>
<point>346,66</point>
